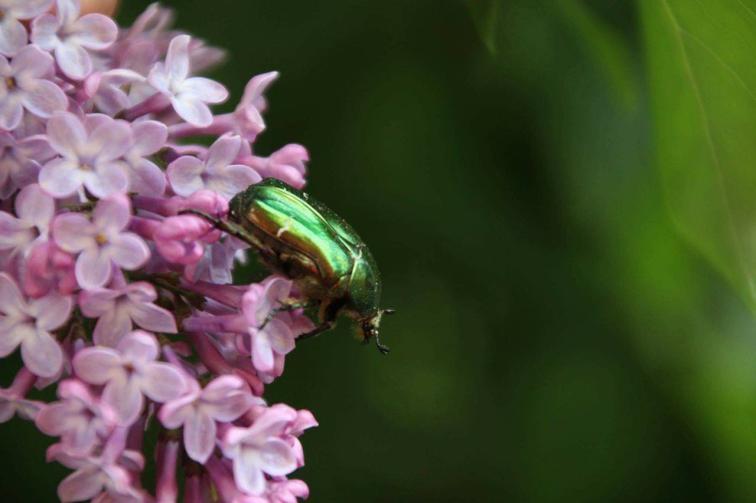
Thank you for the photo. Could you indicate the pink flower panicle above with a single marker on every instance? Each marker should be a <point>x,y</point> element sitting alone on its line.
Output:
<point>113,294</point>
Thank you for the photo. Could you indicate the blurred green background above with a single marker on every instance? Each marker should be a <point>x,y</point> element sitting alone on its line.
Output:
<point>560,197</point>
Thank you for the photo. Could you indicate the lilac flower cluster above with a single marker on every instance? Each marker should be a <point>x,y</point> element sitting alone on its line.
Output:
<point>110,290</point>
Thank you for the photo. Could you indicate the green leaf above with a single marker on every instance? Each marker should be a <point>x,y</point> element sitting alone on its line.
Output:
<point>605,46</point>
<point>701,58</point>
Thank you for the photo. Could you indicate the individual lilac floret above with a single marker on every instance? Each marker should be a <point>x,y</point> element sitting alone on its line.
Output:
<point>28,324</point>
<point>218,173</point>
<point>271,337</point>
<point>118,310</point>
<point>188,95</point>
<point>13,36</point>
<point>263,448</point>
<point>146,178</point>
<point>21,160</point>
<point>182,239</point>
<point>224,400</point>
<point>24,85</point>
<point>78,418</point>
<point>289,164</point>
<point>246,120</point>
<point>106,476</point>
<point>71,37</point>
<point>49,269</point>
<point>35,209</point>
<point>129,372</point>
<point>248,114</point>
<point>101,243</point>
<point>13,399</point>
<point>91,153</point>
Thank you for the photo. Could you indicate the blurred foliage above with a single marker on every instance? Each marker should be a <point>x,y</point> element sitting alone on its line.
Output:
<point>558,338</point>
<point>702,82</point>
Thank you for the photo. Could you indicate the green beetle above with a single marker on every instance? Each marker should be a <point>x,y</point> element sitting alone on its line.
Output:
<point>306,241</point>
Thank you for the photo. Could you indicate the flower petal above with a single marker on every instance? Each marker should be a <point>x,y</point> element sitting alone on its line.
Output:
<point>112,327</point>
<point>247,473</point>
<point>112,215</point>
<point>97,365</point>
<point>146,178</point>
<point>192,110</point>
<point>153,318</point>
<point>52,311</point>
<point>93,268</point>
<point>199,436</point>
<point>233,179</point>
<point>35,206</point>
<point>44,99</point>
<point>277,458</point>
<point>223,152</point>
<point>73,60</point>
<point>44,31</point>
<point>10,339</point>
<point>42,354</point>
<point>95,303</point>
<point>72,232</point>
<point>129,251</point>
<point>184,174</point>
<point>177,59</point>
<point>94,31</point>
<point>12,36</point>
<point>66,134</point>
<point>204,89</point>
<point>149,137</point>
<point>174,413</point>
<point>82,485</point>
<point>162,382</point>
<point>60,178</point>
<point>28,9</point>
<point>108,179</point>
<point>11,111</point>
<point>110,140</point>
<point>139,346</point>
<point>11,301</point>
<point>262,352</point>
<point>126,399</point>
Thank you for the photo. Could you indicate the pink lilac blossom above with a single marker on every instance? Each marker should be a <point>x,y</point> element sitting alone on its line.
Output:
<point>114,294</point>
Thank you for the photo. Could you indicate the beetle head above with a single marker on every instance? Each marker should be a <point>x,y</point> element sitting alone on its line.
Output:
<point>370,328</point>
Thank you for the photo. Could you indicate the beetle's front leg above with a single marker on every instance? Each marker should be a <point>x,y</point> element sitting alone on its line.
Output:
<point>223,225</point>
<point>323,327</point>
<point>285,308</point>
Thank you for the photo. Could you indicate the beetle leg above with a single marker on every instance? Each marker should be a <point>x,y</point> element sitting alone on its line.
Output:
<point>284,308</point>
<point>323,327</point>
<point>223,225</point>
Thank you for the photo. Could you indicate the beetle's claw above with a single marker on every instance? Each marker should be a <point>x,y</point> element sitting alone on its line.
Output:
<point>383,349</point>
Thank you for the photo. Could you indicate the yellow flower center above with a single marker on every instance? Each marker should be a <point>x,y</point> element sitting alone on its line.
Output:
<point>101,239</point>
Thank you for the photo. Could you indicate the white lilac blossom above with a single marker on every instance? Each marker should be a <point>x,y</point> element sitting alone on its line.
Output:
<point>129,373</point>
<point>118,310</point>
<point>90,155</point>
<point>102,243</point>
<point>13,35</point>
<point>71,37</point>
<point>117,295</point>
<point>28,323</point>
<point>189,96</point>
<point>35,209</point>
<point>25,86</point>
<point>218,172</point>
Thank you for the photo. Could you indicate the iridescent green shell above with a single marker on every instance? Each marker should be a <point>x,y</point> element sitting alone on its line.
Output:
<point>306,241</point>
